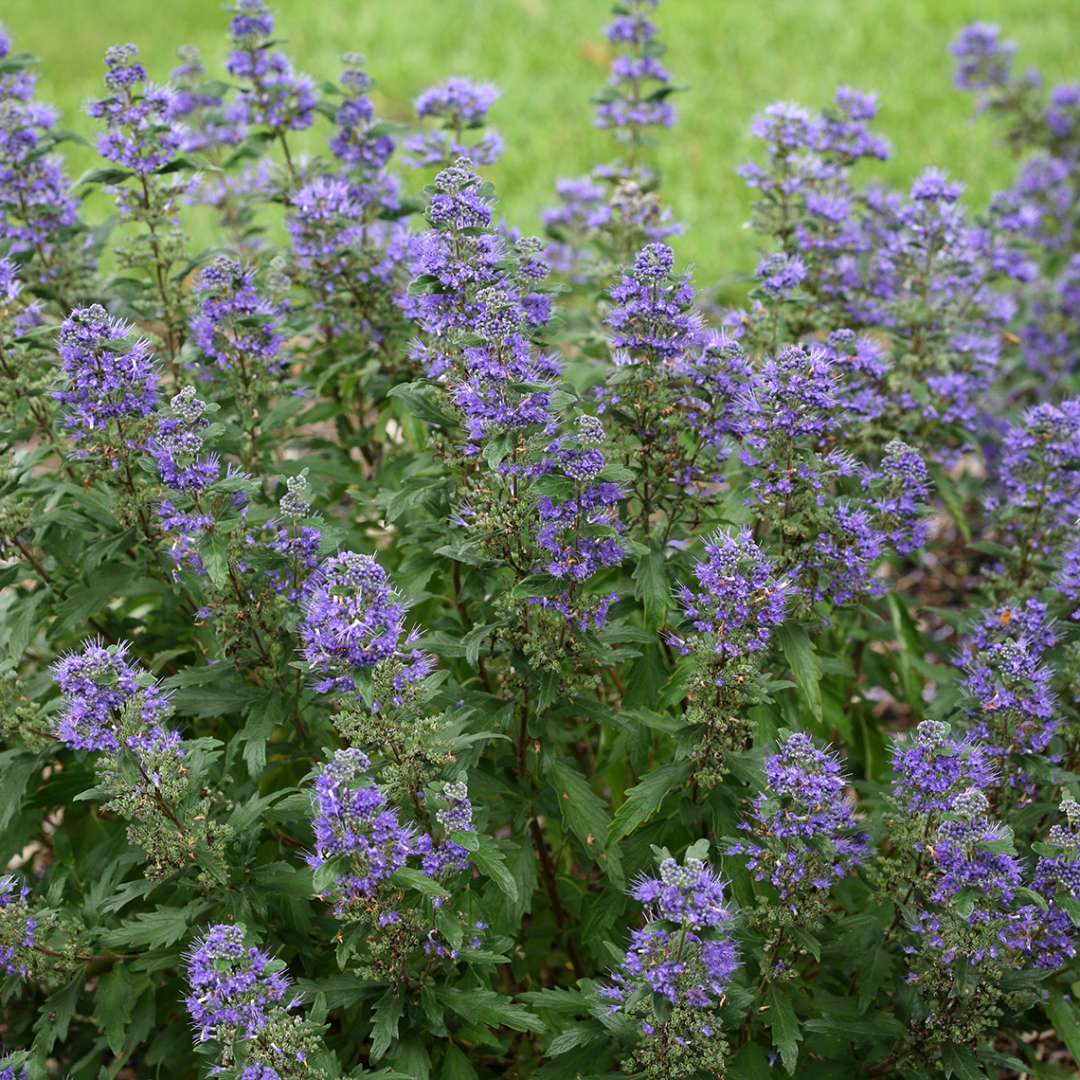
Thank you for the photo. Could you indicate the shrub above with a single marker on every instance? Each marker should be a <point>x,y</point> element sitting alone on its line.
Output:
<point>432,651</point>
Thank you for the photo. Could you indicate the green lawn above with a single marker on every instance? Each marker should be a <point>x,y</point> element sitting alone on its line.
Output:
<point>548,56</point>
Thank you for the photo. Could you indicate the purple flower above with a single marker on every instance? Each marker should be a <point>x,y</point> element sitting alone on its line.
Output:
<point>460,105</point>
<point>780,275</point>
<point>580,534</point>
<point>234,989</point>
<point>1012,690</point>
<point>352,619</point>
<point>738,600</point>
<point>177,444</point>
<point>636,97</point>
<point>140,135</point>
<point>691,895</point>
<point>273,95</point>
<point>1040,474</point>
<point>236,327</point>
<point>107,384</point>
<point>983,60</point>
<point>933,768</point>
<point>98,684</point>
<point>358,143</point>
<point>19,928</point>
<point>199,105</point>
<point>352,820</point>
<point>967,854</point>
<point>651,319</point>
<point>685,953</point>
<point>36,205</point>
<point>803,833</point>
<point>1058,868</point>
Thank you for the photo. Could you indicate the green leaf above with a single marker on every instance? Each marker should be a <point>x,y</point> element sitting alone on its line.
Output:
<point>416,879</point>
<point>473,640</point>
<point>962,1063</point>
<point>799,652</point>
<point>215,556</point>
<point>153,929</point>
<point>585,813</point>
<point>645,798</point>
<point>455,1065</point>
<point>652,587</point>
<point>780,1016</point>
<point>106,584</point>
<point>103,176</point>
<point>16,768</point>
<point>385,1019</point>
<point>491,862</point>
<point>55,1016</point>
<point>1065,1017</point>
<point>339,991</point>
<point>911,650</point>
<point>487,1007</point>
<point>750,1063</point>
<point>419,402</point>
<point>113,1004</point>
<point>872,974</point>
<point>572,1037</point>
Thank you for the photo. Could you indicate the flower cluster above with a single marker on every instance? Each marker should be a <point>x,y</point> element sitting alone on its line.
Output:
<point>804,836</point>
<point>458,105</point>
<point>361,842</point>
<point>114,707</point>
<point>18,928</point>
<point>37,211</point>
<point>98,685</point>
<point>1010,684</point>
<point>273,95</point>
<point>240,998</point>
<point>738,600</point>
<point>111,383</point>
<point>352,619</point>
<point>141,134</point>
<point>636,98</point>
<point>934,767</point>
<point>476,297</point>
<point>684,958</point>
<point>236,327</point>
<point>177,445</point>
<point>644,524</point>
<point>651,320</point>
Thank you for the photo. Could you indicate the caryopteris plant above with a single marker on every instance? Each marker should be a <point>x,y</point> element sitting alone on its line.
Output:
<point>434,651</point>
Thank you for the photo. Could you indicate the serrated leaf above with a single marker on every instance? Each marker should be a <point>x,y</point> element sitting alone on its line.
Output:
<point>645,798</point>
<point>491,862</point>
<point>750,1063</point>
<point>455,1065</point>
<point>487,1007</point>
<point>873,974</point>
<point>784,1025</point>
<point>114,1001</point>
<point>155,929</point>
<point>415,879</point>
<point>16,768</point>
<point>384,1026</point>
<point>799,652</point>
<point>960,1062</point>
<point>581,808</point>
<point>1065,1016</point>
<point>652,587</point>
<point>55,1015</point>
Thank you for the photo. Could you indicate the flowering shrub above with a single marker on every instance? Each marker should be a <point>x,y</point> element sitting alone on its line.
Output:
<point>431,650</point>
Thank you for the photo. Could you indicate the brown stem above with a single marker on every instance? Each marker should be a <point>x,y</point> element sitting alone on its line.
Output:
<point>551,886</point>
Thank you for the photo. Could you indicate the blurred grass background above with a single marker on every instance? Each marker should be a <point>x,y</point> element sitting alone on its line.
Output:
<point>549,56</point>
